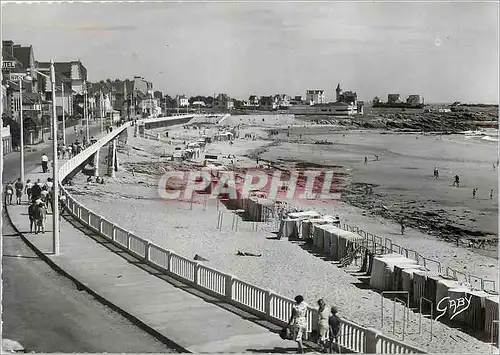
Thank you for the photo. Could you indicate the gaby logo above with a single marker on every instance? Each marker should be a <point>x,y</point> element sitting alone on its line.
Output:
<point>456,306</point>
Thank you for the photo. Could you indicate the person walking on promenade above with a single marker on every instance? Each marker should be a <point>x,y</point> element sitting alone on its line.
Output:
<point>334,325</point>
<point>36,190</point>
<point>45,163</point>
<point>32,215</point>
<point>19,186</point>
<point>29,186</point>
<point>298,321</point>
<point>41,215</point>
<point>9,191</point>
<point>62,205</point>
<point>323,327</point>
<point>457,181</point>
<point>49,184</point>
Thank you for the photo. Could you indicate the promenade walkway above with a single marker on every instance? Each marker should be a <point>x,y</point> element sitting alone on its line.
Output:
<point>176,313</point>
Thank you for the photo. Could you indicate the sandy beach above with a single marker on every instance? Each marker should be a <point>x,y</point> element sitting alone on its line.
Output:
<point>402,182</point>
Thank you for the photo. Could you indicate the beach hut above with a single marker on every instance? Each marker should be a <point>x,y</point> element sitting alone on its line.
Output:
<point>458,314</point>
<point>291,225</point>
<point>475,314</point>
<point>403,277</point>
<point>307,225</point>
<point>419,281</point>
<point>490,316</point>
<point>382,274</point>
<point>437,288</point>
<point>407,280</point>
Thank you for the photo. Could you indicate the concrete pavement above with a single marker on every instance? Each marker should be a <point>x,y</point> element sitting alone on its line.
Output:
<point>172,311</point>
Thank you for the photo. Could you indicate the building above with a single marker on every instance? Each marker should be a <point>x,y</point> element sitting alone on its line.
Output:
<point>182,101</point>
<point>297,100</point>
<point>349,97</point>
<point>131,98</point>
<point>6,140</point>
<point>267,103</point>
<point>394,99</point>
<point>20,60</point>
<point>315,97</point>
<point>282,101</point>
<point>414,100</point>
<point>223,102</point>
<point>253,101</point>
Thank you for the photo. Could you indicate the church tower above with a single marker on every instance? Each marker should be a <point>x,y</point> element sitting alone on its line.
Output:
<point>338,91</point>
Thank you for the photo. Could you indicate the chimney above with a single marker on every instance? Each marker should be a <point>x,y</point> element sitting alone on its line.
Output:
<point>8,47</point>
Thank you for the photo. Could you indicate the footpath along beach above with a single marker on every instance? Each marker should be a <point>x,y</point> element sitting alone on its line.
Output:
<point>403,174</point>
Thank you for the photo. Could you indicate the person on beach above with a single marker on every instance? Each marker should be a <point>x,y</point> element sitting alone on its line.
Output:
<point>334,325</point>
<point>45,163</point>
<point>323,327</point>
<point>19,186</point>
<point>494,166</point>
<point>298,321</point>
<point>29,185</point>
<point>474,190</point>
<point>366,160</point>
<point>403,227</point>
<point>9,191</point>
<point>457,181</point>
<point>376,157</point>
<point>436,172</point>
<point>32,215</point>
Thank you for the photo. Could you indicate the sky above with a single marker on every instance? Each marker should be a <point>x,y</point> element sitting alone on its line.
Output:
<point>444,51</point>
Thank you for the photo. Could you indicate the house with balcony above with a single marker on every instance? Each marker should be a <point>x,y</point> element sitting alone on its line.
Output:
<point>315,97</point>
<point>182,101</point>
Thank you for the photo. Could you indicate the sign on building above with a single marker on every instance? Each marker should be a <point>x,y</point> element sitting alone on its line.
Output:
<point>8,64</point>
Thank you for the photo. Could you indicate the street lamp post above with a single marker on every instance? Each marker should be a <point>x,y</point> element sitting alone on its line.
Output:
<point>86,115</point>
<point>22,126</point>
<point>63,116</point>
<point>55,168</point>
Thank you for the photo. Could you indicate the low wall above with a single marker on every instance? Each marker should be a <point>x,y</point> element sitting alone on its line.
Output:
<point>263,303</point>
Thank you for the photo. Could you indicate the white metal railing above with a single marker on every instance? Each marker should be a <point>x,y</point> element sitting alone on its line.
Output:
<point>264,303</point>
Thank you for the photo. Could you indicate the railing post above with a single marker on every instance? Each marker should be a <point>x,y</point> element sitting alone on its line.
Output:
<point>113,233</point>
<point>100,225</point>
<point>371,339</point>
<point>89,214</point>
<point>147,252</point>
<point>267,304</point>
<point>196,273</point>
<point>229,287</point>
<point>169,260</point>
<point>129,241</point>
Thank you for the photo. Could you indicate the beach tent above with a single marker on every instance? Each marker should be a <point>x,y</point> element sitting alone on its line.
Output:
<point>491,315</point>
<point>382,274</point>
<point>290,226</point>
<point>307,224</point>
